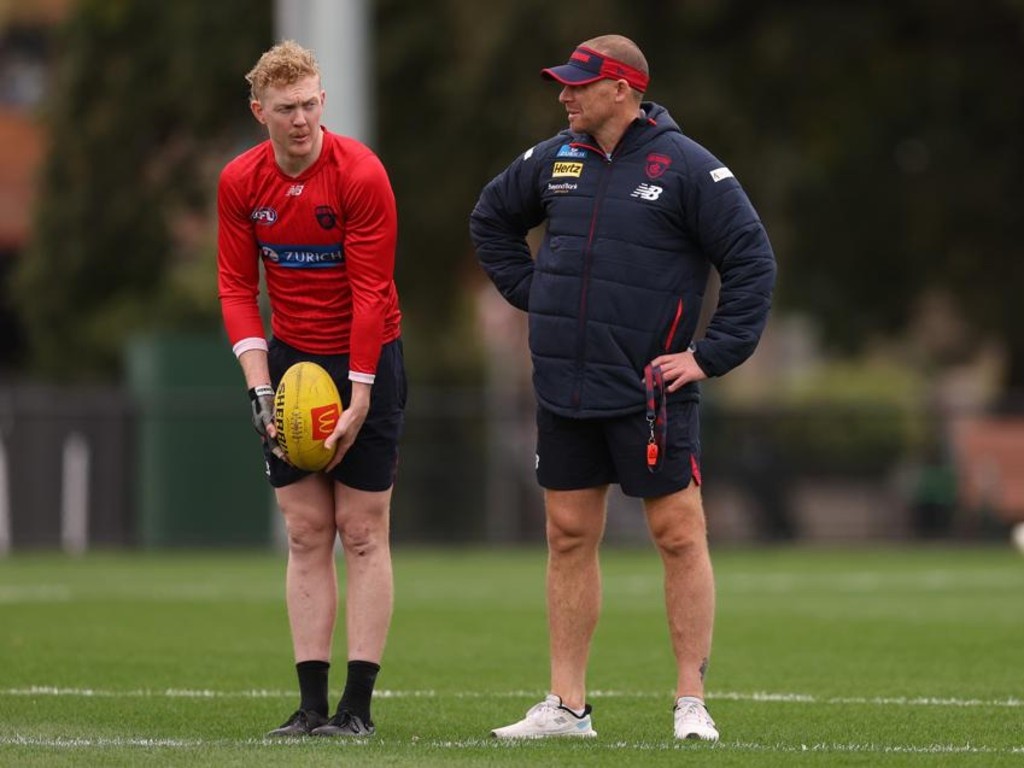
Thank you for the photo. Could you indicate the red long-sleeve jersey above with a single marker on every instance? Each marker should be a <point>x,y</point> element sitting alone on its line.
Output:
<point>327,241</point>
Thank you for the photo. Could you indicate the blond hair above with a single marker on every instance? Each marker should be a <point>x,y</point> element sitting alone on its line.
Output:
<point>284,64</point>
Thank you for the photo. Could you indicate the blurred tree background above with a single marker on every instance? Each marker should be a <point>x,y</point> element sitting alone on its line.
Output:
<point>143,94</point>
<point>880,141</point>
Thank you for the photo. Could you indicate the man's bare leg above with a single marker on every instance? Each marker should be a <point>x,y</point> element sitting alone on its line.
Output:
<point>363,520</point>
<point>679,530</point>
<point>311,587</point>
<point>575,527</point>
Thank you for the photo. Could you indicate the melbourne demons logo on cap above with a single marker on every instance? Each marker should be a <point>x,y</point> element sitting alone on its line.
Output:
<point>657,165</point>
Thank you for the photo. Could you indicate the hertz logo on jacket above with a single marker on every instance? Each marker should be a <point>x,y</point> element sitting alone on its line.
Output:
<point>567,169</point>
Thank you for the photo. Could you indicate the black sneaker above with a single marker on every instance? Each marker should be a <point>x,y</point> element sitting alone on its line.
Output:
<point>302,723</point>
<point>345,724</point>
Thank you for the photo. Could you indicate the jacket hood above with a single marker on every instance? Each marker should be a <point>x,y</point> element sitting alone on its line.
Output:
<point>659,116</point>
<point>655,121</point>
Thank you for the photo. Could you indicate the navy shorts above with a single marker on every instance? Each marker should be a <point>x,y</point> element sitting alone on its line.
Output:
<point>372,462</point>
<point>573,454</point>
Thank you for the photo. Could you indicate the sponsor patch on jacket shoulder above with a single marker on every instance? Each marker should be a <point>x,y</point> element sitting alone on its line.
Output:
<point>721,173</point>
<point>568,150</point>
<point>567,169</point>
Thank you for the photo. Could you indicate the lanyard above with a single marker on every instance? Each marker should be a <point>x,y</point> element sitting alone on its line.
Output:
<point>657,416</point>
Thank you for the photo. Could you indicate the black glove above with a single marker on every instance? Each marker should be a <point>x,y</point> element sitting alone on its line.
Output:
<point>262,400</point>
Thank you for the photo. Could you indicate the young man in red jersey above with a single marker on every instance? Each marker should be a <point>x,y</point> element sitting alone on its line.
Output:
<point>317,210</point>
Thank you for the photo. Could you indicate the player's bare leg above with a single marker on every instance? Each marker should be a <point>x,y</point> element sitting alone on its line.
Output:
<point>311,586</point>
<point>575,527</point>
<point>679,530</point>
<point>363,520</point>
<point>311,592</point>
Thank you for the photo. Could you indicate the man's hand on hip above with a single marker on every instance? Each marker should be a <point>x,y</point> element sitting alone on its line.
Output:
<point>679,369</point>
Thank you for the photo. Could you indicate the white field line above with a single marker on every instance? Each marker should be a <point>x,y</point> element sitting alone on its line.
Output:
<point>756,696</point>
<point>992,580</point>
<point>495,744</point>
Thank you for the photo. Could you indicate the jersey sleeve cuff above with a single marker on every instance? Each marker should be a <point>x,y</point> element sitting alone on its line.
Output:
<point>362,378</point>
<point>253,342</point>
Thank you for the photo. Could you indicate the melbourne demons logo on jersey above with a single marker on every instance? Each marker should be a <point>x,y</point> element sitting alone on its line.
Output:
<point>326,216</point>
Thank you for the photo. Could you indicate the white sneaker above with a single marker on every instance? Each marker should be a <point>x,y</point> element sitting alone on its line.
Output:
<point>549,718</point>
<point>693,720</point>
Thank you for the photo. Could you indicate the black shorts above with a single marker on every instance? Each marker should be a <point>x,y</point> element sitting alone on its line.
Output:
<point>573,454</point>
<point>372,462</point>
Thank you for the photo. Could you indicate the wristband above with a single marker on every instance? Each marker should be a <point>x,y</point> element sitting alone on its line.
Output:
<point>261,390</point>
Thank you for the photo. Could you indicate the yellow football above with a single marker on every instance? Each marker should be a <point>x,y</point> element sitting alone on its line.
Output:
<point>306,410</point>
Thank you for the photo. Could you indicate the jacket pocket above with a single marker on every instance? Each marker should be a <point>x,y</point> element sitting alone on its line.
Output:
<point>675,321</point>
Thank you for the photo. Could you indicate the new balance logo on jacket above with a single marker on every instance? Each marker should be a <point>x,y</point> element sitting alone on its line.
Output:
<point>647,191</point>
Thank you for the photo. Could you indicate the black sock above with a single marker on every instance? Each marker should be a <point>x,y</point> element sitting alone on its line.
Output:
<point>362,675</point>
<point>313,685</point>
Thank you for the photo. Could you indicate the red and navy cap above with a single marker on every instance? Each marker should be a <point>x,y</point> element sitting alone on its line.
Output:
<point>588,66</point>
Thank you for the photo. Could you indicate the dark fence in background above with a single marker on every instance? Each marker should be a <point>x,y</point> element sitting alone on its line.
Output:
<point>177,465</point>
<point>67,468</point>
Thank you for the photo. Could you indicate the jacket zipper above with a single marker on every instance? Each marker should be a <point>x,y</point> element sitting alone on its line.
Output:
<point>581,323</point>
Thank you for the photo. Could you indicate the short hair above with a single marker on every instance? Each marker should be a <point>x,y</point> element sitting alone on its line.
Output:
<point>284,64</point>
<point>621,48</point>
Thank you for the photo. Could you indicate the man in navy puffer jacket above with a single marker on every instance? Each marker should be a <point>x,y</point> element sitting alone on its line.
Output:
<point>636,216</point>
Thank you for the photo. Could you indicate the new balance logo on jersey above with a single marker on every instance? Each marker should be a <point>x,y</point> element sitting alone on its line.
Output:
<point>295,190</point>
<point>647,191</point>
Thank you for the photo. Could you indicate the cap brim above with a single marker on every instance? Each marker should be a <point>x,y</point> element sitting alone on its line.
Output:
<point>569,74</point>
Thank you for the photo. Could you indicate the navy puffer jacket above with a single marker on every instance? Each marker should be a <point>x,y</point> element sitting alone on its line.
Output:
<point>620,276</point>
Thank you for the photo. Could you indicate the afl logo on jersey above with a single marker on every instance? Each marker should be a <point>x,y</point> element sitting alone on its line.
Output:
<point>326,216</point>
<point>265,216</point>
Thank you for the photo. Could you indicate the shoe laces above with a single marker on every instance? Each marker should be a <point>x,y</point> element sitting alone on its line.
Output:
<point>544,709</point>
<point>693,710</point>
<point>298,717</point>
<point>345,719</point>
<point>549,709</point>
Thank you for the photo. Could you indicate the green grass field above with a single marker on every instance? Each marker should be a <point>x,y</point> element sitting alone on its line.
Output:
<point>823,657</point>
